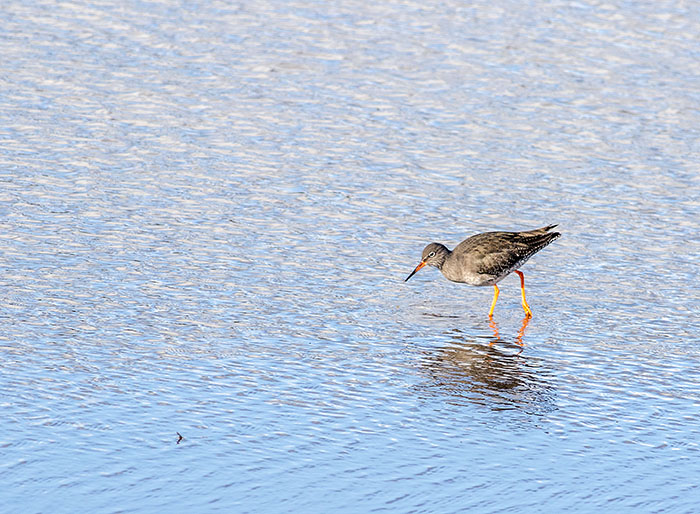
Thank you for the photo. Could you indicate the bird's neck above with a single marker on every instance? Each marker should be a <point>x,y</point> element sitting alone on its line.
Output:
<point>443,258</point>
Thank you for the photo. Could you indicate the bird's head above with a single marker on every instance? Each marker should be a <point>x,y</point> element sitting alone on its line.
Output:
<point>433,255</point>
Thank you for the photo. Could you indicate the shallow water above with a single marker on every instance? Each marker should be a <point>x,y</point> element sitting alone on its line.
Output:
<point>208,211</point>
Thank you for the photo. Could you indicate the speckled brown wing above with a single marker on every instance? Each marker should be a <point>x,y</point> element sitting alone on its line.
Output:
<point>498,253</point>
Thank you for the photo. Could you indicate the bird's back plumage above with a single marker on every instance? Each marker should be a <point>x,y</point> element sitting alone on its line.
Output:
<point>484,259</point>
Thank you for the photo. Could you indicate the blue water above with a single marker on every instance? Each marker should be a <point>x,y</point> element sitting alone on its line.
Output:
<point>207,212</point>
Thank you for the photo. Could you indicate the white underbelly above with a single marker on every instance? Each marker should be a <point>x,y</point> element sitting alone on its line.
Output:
<point>477,279</point>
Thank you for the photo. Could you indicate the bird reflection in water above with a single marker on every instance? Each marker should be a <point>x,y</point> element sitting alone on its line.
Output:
<point>496,375</point>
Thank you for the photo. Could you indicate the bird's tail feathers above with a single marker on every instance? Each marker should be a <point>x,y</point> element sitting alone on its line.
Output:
<point>540,231</point>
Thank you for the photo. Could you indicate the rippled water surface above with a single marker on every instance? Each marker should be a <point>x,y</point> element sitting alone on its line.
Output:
<point>208,210</point>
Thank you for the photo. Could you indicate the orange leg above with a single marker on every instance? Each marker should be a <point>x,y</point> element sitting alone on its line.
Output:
<point>495,297</point>
<point>526,307</point>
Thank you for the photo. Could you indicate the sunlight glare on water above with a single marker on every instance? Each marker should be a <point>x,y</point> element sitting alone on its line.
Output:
<point>209,210</point>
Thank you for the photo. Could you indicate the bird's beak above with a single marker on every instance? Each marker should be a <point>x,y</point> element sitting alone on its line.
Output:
<point>422,263</point>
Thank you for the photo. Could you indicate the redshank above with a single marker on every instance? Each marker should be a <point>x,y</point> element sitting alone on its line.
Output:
<point>486,259</point>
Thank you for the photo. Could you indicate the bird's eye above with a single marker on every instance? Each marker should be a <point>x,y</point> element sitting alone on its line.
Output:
<point>431,254</point>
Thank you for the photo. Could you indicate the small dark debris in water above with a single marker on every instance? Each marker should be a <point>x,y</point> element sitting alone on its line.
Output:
<point>179,437</point>
<point>440,315</point>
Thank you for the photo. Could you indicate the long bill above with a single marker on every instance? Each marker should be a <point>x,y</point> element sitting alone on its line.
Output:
<point>420,266</point>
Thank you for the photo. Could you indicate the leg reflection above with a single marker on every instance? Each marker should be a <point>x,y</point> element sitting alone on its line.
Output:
<point>521,332</point>
<point>518,338</point>
<point>494,327</point>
